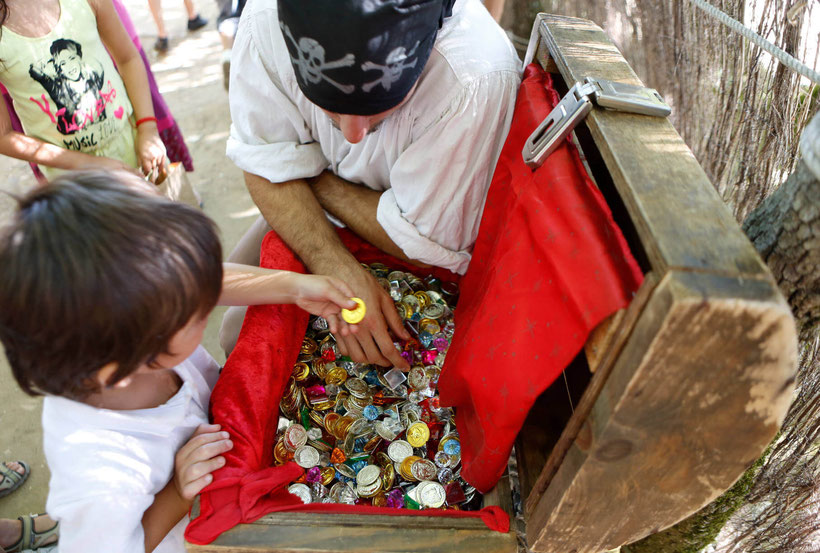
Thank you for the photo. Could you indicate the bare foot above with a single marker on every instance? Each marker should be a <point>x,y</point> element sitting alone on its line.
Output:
<point>11,530</point>
<point>15,466</point>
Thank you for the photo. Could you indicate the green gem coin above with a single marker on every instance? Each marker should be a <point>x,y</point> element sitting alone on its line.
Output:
<point>306,418</point>
<point>410,504</point>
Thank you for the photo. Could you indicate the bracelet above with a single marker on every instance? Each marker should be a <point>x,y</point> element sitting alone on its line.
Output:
<point>145,120</point>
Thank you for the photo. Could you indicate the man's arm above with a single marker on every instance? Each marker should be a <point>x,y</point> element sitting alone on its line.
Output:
<point>356,207</point>
<point>293,211</point>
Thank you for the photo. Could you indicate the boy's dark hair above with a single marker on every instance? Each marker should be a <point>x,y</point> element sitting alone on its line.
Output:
<point>96,268</point>
<point>65,44</point>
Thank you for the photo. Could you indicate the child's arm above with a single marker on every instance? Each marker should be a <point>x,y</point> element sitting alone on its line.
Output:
<point>149,146</point>
<point>34,150</point>
<point>193,465</point>
<point>316,294</point>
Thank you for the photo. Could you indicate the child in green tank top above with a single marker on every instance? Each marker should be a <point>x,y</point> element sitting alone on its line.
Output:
<point>76,107</point>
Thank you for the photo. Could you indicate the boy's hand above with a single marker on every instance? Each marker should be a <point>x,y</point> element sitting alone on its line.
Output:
<point>150,151</point>
<point>372,343</point>
<point>197,459</point>
<point>325,296</point>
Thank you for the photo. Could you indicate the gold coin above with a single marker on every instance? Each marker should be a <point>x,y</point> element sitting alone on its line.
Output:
<point>418,434</point>
<point>301,371</point>
<point>328,474</point>
<point>309,345</point>
<point>336,376</point>
<point>404,468</point>
<point>355,316</point>
<point>424,299</point>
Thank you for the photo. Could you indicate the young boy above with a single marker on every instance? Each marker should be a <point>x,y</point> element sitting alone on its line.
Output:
<point>104,293</point>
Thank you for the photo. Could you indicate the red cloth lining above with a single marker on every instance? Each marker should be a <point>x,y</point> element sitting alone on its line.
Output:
<point>553,265</point>
<point>550,265</point>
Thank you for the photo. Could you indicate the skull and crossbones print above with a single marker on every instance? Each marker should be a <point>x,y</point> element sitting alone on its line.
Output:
<point>311,61</point>
<point>394,66</point>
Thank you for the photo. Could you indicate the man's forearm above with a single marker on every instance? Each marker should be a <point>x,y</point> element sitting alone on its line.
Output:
<point>292,210</point>
<point>356,206</point>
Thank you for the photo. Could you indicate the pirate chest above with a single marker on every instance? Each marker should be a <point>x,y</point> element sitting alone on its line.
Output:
<point>673,397</point>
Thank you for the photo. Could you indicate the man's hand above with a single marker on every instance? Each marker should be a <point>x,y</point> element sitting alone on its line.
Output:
<point>197,459</point>
<point>372,342</point>
<point>150,151</point>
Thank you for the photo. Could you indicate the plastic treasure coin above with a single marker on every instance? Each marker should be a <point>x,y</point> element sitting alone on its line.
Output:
<point>354,316</point>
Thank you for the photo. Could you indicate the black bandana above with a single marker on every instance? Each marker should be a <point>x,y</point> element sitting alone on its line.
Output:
<point>360,57</point>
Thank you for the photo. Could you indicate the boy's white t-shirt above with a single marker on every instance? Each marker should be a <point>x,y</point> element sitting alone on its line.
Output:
<point>107,466</point>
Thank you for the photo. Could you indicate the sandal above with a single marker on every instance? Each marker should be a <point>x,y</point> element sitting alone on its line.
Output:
<point>30,538</point>
<point>11,479</point>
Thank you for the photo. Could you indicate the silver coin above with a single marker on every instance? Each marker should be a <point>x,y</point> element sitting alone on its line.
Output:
<point>302,491</point>
<point>434,311</point>
<point>385,431</point>
<point>431,495</point>
<point>424,469</point>
<point>399,450</point>
<point>361,427</point>
<point>295,436</point>
<point>368,475</point>
<point>345,470</point>
<point>357,387</point>
<point>306,457</point>
<point>417,378</point>
<point>445,475</point>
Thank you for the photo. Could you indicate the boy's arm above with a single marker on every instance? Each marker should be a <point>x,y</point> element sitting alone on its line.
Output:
<point>164,513</point>
<point>131,68</point>
<point>317,294</point>
<point>34,150</point>
<point>193,465</point>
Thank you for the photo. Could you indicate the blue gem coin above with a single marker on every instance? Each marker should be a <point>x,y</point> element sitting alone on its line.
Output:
<point>372,378</point>
<point>452,447</point>
<point>425,338</point>
<point>359,465</point>
<point>371,412</point>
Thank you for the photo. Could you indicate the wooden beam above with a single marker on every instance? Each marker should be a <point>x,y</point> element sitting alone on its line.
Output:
<point>358,534</point>
<point>678,420</point>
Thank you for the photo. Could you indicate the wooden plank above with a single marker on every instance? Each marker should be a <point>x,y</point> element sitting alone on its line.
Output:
<point>698,391</point>
<point>579,418</point>
<point>600,338</point>
<point>318,533</point>
<point>678,214</point>
<point>294,532</point>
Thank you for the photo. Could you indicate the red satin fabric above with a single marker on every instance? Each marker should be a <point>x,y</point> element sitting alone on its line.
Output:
<point>549,264</point>
<point>553,264</point>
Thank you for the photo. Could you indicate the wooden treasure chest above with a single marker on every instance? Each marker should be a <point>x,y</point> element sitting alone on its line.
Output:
<point>673,398</point>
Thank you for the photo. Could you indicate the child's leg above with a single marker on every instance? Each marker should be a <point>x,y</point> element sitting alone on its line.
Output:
<point>189,6</point>
<point>156,12</point>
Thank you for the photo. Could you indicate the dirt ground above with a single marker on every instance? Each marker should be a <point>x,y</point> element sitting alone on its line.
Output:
<point>190,79</point>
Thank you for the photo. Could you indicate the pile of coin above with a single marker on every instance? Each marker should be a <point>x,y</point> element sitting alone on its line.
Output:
<point>367,435</point>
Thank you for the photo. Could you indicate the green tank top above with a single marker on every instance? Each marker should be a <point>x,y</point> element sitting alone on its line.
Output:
<point>65,88</point>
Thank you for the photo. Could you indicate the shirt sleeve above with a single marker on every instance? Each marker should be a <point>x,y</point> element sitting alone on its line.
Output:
<point>269,136</point>
<point>109,522</point>
<point>439,183</point>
